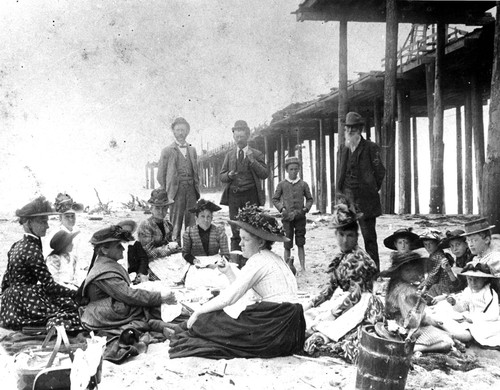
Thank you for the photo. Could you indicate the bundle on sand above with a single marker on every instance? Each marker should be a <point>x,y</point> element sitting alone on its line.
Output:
<point>453,360</point>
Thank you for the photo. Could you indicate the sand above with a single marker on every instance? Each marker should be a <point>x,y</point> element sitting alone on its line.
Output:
<point>154,370</point>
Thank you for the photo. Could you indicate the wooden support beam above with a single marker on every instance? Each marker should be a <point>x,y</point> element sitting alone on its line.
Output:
<point>460,180</point>
<point>404,151</point>
<point>430,72</point>
<point>270,189</point>
<point>388,126</point>
<point>377,119</point>
<point>437,174</point>
<point>152,177</point>
<point>343,97</point>
<point>313,183</point>
<point>332,167</point>
<point>282,157</point>
<point>298,146</point>
<point>322,187</point>
<point>415,165</point>
<point>147,175</point>
<point>491,170</point>
<point>478,132</point>
<point>469,189</point>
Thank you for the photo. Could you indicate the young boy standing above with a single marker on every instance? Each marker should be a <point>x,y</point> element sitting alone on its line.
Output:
<point>289,200</point>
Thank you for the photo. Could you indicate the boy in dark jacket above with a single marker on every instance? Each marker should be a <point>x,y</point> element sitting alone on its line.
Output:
<point>289,200</point>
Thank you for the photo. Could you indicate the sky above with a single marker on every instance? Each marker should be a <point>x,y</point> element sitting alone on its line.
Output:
<point>89,88</point>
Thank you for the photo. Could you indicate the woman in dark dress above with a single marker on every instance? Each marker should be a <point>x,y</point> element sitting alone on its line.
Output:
<point>30,296</point>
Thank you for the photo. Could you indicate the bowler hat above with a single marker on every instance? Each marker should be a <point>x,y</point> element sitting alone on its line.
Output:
<point>180,120</point>
<point>36,208</point>
<point>240,125</point>
<point>390,242</point>
<point>111,233</point>
<point>203,204</point>
<point>61,240</point>
<point>456,234</point>
<point>476,226</point>
<point>159,197</point>
<point>66,205</point>
<point>291,160</point>
<point>354,119</point>
<point>260,224</point>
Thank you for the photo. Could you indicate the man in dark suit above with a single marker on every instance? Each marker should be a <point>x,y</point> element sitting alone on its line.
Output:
<point>361,173</point>
<point>178,175</point>
<point>243,170</point>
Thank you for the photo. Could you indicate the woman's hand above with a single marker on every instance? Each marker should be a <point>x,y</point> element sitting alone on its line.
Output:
<point>223,265</point>
<point>173,246</point>
<point>438,298</point>
<point>192,319</point>
<point>452,301</point>
<point>142,278</point>
<point>168,297</point>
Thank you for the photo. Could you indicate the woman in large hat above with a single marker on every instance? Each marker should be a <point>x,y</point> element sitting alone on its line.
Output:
<point>155,233</point>
<point>61,263</point>
<point>352,271</point>
<point>108,300</point>
<point>30,296</point>
<point>253,316</point>
<point>202,244</point>
<point>478,235</point>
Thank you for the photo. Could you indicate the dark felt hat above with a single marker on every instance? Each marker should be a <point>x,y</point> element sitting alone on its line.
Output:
<point>65,204</point>
<point>111,233</point>
<point>477,226</point>
<point>36,208</point>
<point>399,260</point>
<point>203,204</point>
<point>240,125</point>
<point>61,240</point>
<point>390,242</point>
<point>354,119</point>
<point>260,224</point>
<point>456,234</point>
<point>159,197</point>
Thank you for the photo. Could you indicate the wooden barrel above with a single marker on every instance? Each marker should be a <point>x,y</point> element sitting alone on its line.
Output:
<point>382,364</point>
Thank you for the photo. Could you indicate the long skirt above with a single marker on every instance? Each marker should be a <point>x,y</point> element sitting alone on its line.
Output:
<point>263,330</point>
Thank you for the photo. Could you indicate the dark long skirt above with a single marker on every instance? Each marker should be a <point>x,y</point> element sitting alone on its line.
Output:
<point>264,330</point>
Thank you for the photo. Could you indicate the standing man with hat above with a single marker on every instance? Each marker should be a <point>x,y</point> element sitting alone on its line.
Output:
<point>361,173</point>
<point>178,175</point>
<point>478,235</point>
<point>243,170</point>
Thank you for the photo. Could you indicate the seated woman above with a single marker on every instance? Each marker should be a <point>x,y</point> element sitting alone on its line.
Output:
<point>404,303</point>
<point>155,233</point>
<point>441,279</point>
<point>347,300</point>
<point>272,326</point>
<point>30,296</point>
<point>202,240</point>
<point>60,263</point>
<point>108,300</point>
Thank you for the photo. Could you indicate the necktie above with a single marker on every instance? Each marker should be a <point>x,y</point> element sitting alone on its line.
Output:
<point>240,156</point>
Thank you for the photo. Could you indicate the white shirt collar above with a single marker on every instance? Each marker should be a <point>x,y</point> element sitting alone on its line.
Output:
<point>292,181</point>
<point>245,149</point>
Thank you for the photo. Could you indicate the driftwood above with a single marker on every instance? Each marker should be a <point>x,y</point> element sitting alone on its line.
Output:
<point>103,208</point>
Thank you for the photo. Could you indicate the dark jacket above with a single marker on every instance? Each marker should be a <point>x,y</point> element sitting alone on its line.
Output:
<point>371,173</point>
<point>258,168</point>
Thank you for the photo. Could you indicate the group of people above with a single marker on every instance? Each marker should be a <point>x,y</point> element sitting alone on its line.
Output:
<point>258,313</point>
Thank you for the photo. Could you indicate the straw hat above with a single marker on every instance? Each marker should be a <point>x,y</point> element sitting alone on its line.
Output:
<point>390,242</point>
<point>291,160</point>
<point>111,233</point>
<point>203,204</point>
<point>430,234</point>
<point>260,224</point>
<point>36,208</point>
<point>61,240</point>
<point>128,225</point>
<point>66,205</point>
<point>456,234</point>
<point>159,197</point>
<point>476,226</point>
<point>478,270</point>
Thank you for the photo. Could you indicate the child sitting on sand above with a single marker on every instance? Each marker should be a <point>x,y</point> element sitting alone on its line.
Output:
<point>60,262</point>
<point>479,317</point>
